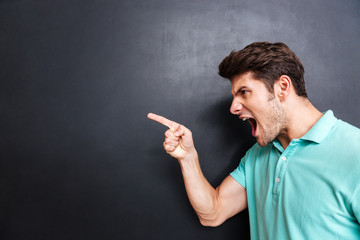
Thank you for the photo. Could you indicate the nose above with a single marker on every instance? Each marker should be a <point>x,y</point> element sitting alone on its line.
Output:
<point>236,107</point>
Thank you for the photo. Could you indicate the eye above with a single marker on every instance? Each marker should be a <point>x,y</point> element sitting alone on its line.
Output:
<point>243,92</point>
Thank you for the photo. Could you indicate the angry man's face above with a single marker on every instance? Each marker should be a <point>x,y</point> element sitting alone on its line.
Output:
<point>252,101</point>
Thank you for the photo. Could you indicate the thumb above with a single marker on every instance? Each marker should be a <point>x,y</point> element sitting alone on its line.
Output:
<point>185,136</point>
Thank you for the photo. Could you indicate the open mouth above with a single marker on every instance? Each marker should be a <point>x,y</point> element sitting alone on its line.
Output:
<point>253,123</point>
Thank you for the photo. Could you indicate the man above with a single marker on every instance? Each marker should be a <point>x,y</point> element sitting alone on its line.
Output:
<point>301,180</point>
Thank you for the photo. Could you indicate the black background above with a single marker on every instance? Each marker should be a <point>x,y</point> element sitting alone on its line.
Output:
<point>80,160</point>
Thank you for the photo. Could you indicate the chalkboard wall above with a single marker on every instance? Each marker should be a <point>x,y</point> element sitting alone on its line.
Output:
<point>80,160</point>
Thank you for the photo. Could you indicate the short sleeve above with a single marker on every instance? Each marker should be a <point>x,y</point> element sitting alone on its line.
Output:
<point>239,173</point>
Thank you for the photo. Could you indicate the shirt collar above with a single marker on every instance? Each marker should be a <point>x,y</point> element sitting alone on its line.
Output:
<point>321,128</point>
<point>318,132</point>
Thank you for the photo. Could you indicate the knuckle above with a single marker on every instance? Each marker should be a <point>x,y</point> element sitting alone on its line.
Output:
<point>169,133</point>
<point>169,148</point>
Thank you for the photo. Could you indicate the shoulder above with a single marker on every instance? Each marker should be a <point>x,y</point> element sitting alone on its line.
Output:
<point>345,142</point>
<point>348,128</point>
<point>346,132</point>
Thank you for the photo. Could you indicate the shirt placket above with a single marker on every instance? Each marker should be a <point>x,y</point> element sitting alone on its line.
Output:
<point>280,170</point>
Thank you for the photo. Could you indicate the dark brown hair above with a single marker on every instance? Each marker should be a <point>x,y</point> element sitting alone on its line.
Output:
<point>267,61</point>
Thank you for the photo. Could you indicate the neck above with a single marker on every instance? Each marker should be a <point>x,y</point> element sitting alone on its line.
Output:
<point>302,116</point>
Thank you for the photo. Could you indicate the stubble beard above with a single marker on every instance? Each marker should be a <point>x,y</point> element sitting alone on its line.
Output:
<point>277,121</point>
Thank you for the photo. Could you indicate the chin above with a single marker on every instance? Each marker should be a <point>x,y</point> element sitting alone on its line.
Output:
<point>262,143</point>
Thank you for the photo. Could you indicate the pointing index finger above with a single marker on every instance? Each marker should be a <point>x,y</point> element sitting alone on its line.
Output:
<point>160,119</point>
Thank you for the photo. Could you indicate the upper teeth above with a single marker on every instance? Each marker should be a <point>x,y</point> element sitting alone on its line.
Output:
<point>244,119</point>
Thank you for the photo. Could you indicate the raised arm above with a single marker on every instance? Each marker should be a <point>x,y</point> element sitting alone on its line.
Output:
<point>213,206</point>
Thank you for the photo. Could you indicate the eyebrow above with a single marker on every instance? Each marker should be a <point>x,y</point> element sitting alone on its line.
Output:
<point>239,90</point>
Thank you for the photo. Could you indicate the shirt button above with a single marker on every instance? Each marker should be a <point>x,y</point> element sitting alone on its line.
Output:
<point>283,158</point>
<point>278,180</point>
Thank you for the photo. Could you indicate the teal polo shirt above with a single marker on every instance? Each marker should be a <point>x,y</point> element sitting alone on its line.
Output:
<point>310,190</point>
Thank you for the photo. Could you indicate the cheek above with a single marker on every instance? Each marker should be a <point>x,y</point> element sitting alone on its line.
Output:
<point>264,116</point>
<point>259,110</point>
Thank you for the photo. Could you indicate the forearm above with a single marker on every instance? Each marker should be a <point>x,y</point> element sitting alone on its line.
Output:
<point>203,197</point>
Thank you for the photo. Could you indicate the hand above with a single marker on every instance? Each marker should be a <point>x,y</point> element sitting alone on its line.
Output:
<point>178,139</point>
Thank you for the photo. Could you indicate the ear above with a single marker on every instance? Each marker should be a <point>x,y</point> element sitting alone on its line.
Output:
<point>283,87</point>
